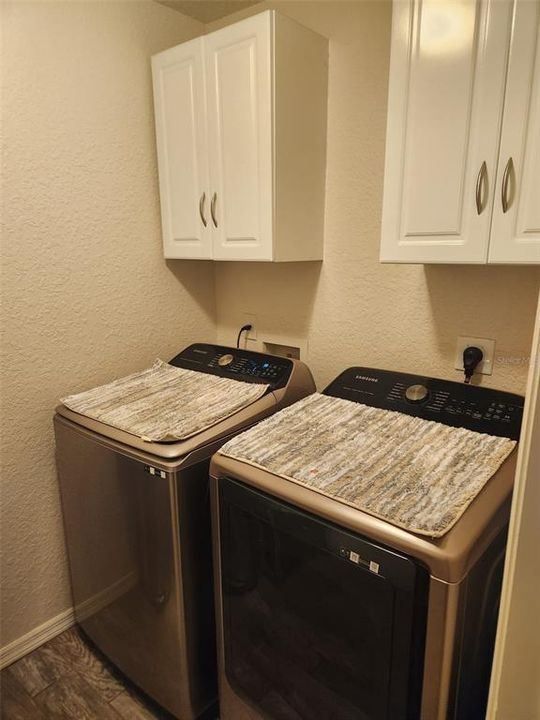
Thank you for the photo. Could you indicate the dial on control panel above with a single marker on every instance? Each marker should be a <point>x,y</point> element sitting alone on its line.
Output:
<point>225,360</point>
<point>416,393</point>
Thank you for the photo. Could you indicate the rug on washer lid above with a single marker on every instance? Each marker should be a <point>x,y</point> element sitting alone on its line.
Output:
<point>164,402</point>
<point>417,474</point>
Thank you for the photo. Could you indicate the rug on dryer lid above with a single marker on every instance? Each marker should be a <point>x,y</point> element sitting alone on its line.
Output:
<point>417,474</point>
<point>165,403</point>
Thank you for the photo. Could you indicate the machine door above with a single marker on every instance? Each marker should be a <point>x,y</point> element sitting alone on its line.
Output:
<point>318,622</point>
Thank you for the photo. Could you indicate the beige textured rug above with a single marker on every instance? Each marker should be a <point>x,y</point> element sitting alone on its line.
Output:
<point>165,403</point>
<point>417,474</point>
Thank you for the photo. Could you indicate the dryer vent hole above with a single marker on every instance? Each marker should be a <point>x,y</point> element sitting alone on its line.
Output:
<point>287,351</point>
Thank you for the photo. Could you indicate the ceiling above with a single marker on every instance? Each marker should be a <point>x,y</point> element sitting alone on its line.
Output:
<point>206,11</point>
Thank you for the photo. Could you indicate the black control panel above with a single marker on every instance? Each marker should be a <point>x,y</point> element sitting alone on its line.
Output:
<point>237,364</point>
<point>457,404</point>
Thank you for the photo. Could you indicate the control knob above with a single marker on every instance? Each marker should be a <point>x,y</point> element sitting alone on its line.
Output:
<point>225,360</point>
<point>416,393</point>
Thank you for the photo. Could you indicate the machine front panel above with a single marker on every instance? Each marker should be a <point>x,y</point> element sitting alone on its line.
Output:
<point>317,622</point>
<point>119,517</point>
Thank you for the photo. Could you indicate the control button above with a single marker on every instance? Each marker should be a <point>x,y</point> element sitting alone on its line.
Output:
<point>225,360</point>
<point>416,393</point>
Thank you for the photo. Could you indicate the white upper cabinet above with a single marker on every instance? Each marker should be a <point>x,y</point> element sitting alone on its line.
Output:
<point>515,233</point>
<point>239,73</point>
<point>259,131</point>
<point>448,102</point>
<point>179,101</point>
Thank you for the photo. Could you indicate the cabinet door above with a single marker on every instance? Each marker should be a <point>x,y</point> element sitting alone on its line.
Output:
<point>239,87</point>
<point>446,93</point>
<point>515,235</point>
<point>179,101</point>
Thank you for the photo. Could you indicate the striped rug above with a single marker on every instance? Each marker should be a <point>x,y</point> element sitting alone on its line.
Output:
<point>417,474</point>
<point>165,403</point>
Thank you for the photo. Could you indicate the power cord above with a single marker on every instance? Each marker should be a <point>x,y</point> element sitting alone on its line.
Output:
<point>244,328</point>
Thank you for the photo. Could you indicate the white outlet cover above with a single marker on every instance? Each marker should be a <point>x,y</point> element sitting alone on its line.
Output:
<point>486,345</point>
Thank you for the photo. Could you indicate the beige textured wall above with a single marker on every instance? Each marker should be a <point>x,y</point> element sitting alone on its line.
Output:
<point>86,294</point>
<point>350,309</point>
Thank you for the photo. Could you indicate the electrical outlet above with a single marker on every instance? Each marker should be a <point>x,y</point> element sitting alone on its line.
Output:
<point>486,346</point>
<point>250,319</point>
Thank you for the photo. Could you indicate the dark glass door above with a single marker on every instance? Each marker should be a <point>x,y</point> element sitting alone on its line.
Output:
<point>318,622</point>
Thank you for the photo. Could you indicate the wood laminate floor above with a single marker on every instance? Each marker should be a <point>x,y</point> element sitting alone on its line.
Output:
<point>65,680</point>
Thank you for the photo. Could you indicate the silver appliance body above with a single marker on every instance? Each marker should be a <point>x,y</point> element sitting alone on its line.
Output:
<point>137,526</point>
<point>306,628</point>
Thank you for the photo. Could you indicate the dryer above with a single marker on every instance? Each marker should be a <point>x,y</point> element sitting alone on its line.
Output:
<point>326,611</point>
<point>137,527</point>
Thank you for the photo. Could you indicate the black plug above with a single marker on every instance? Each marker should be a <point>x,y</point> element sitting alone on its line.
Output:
<point>472,356</point>
<point>244,328</point>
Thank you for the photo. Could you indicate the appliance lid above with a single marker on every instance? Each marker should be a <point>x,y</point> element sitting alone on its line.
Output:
<point>417,474</point>
<point>165,403</point>
<point>252,367</point>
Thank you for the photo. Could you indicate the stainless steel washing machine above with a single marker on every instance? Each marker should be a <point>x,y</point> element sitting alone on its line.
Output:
<point>137,526</point>
<point>325,611</point>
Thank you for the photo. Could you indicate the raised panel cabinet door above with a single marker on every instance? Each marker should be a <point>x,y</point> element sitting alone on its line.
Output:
<point>180,115</point>
<point>239,101</point>
<point>515,233</point>
<point>447,74</point>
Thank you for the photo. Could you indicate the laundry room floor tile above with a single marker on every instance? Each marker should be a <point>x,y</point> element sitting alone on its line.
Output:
<point>65,679</point>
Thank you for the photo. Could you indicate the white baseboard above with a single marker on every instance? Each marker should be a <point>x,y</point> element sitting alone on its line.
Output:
<point>56,625</point>
<point>36,637</point>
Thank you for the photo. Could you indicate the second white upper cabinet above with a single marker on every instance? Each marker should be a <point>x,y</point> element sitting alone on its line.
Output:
<point>264,85</point>
<point>239,74</point>
<point>515,233</point>
<point>445,163</point>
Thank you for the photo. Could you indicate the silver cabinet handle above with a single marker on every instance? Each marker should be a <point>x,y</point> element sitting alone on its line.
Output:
<point>213,209</point>
<point>505,197</point>
<point>480,180</point>
<point>201,209</point>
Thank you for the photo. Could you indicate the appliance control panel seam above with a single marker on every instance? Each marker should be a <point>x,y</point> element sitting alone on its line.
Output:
<point>481,409</point>
<point>236,364</point>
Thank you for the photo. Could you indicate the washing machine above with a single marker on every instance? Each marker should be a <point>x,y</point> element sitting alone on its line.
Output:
<point>137,526</point>
<point>326,610</point>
